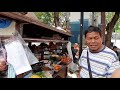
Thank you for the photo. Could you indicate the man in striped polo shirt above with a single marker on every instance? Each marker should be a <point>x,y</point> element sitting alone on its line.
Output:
<point>103,61</point>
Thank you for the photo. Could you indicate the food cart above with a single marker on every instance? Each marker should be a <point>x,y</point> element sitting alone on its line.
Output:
<point>33,30</point>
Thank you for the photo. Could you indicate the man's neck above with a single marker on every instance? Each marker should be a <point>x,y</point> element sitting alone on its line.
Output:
<point>96,51</point>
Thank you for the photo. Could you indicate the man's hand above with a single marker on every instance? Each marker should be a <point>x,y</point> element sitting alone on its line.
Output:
<point>78,72</point>
<point>116,73</point>
<point>3,66</point>
<point>78,75</point>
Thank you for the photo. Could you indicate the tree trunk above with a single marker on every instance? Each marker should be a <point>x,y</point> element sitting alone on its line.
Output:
<point>109,29</point>
<point>56,19</point>
<point>103,26</point>
<point>67,20</point>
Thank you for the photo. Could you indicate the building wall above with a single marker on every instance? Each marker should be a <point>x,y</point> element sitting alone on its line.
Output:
<point>75,30</point>
<point>95,19</point>
<point>75,16</point>
<point>75,23</point>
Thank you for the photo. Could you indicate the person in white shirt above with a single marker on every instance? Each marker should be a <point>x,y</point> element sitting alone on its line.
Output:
<point>103,61</point>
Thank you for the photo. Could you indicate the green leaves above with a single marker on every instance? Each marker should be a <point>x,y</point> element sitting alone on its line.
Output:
<point>109,16</point>
<point>45,17</point>
<point>48,18</point>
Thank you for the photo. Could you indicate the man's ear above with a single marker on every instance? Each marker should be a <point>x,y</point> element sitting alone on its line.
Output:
<point>85,42</point>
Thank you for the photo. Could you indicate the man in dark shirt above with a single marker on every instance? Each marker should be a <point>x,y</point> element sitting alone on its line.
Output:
<point>115,48</point>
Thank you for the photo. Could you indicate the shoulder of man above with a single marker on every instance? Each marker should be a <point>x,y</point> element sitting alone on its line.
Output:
<point>108,49</point>
<point>113,55</point>
<point>84,51</point>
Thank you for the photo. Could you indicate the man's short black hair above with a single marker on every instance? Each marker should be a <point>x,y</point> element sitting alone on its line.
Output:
<point>114,47</point>
<point>93,29</point>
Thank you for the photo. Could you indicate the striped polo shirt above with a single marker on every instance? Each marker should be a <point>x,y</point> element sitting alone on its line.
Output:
<point>102,63</point>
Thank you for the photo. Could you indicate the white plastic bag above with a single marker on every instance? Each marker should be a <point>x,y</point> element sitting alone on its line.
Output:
<point>18,54</point>
<point>31,57</point>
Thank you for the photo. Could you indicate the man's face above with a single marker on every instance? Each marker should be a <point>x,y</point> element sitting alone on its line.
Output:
<point>94,41</point>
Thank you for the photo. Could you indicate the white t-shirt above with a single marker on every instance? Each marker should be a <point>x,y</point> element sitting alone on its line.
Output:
<point>102,63</point>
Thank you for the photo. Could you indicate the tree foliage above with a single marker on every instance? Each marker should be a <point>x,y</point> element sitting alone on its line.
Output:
<point>110,28</point>
<point>109,16</point>
<point>48,18</point>
<point>45,17</point>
